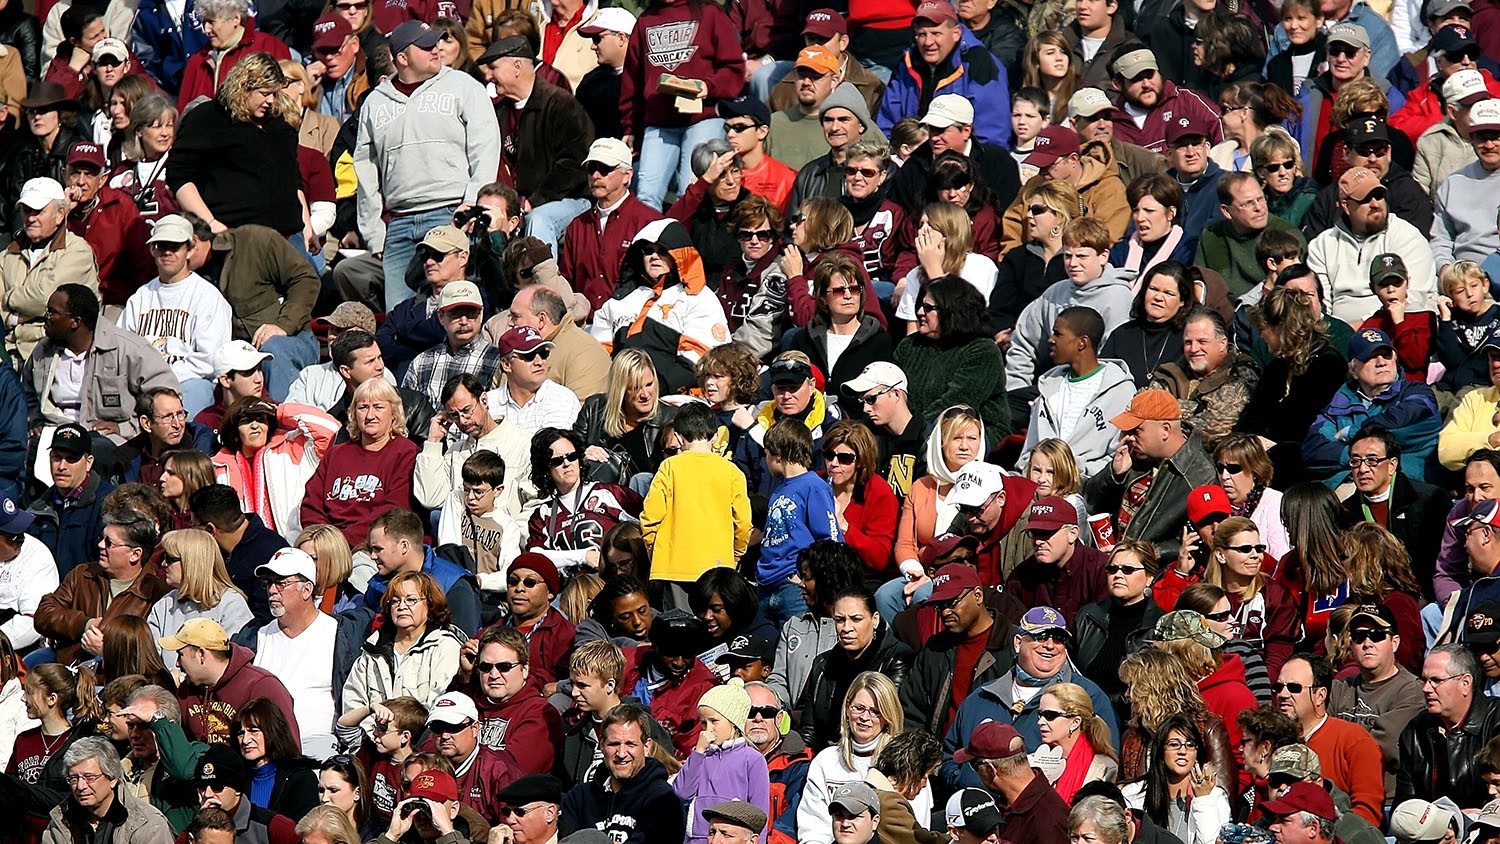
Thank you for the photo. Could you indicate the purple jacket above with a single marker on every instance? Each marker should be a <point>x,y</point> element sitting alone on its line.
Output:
<point>1452,559</point>
<point>734,772</point>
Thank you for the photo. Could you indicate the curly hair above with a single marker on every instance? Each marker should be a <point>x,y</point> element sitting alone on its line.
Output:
<point>1377,563</point>
<point>1159,687</point>
<point>738,363</point>
<point>252,73</point>
<point>1299,332</point>
<point>541,456</point>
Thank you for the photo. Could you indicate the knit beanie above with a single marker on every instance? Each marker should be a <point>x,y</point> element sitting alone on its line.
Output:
<point>730,700</point>
<point>848,96</point>
<point>543,567</point>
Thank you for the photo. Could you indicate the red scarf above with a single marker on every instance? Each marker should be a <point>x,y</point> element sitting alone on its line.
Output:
<point>1076,770</point>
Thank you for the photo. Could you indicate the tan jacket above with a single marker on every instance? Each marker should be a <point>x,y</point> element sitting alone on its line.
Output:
<point>12,84</point>
<point>1102,191</point>
<point>120,367</point>
<point>1440,153</point>
<point>318,131</point>
<point>25,288</point>
<point>143,824</point>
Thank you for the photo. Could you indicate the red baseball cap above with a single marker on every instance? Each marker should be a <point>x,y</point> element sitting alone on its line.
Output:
<point>330,32</point>
<point>1053,143</point>
<point>823,24</point>
<point>936,11</point>
<point>1301,797</point>
<point>434,785</point>
<point>1206,501</point>
<point>83,152</point>
<point>993,740</point>
<point>953,580</point>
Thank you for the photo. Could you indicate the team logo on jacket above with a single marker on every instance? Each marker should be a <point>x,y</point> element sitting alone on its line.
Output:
<point>671,44</point>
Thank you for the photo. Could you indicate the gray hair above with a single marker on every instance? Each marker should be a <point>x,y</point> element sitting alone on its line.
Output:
<point>98,748</point>
<point>1107,816</point>
<point>1324,826</point>
<point>212,10</point>
<point>705,153</point>
<point>1460,660</point>
<point>876,149</point>
<point>165,701</point>
<point>140,530</point>
<point>146,112</point>
<point>545,300</point>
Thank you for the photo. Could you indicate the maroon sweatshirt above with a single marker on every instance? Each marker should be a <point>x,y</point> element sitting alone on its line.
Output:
<point>526,725</point>
<point>550,640</point>
<point>209,713</point>
<point>352,486</point>
<point>592,260</point>
<point>487,775</point>
<point>692,43</point>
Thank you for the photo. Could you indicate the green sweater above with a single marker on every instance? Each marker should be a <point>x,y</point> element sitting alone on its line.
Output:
<point>941,375</point>
<point>1233,254</point>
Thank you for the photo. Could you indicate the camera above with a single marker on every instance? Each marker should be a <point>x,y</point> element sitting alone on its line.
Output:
<point>473,214</point>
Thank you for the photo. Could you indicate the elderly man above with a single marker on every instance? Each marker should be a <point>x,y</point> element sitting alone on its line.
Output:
<point>1445,148</point>
<point>631,802</point>
<point>1341,255</point>
<point>1041,648</point>
<point>1092,116</point>
<point>594,244</point>
<point>464,350</point>
<point>768,730</point>
<point>69,515</point>
<point>1155,466</point>
<point>464,427</point>
<point>995,756</point>
<point>449,109</point>
<point>1375,393</point>
<point>1441,746</point>
<point>530,808</point>
<point>341,55</point>
<point>1137,78</point>
<point>1228,245</point>
<point>1465,204</point>
<point>1188,142</point>
<point>1367,144</point>
<point>546,136</point>
<point>947,59</point>
<point>844,121</point>
<point>1413,511</point>
<point>1294,763</point>
<point>164,429</point>
<point>1381,42</point>
<point>96,802</point>
<point>41,258</point>
<point>528,398</point>
<point>1304,814</point>
<point>1214,379</point>
<point>578,361</point>
<point>1349,754</point>
<point>734,822</point>
<point>1383,696</point>
<point>108,219</point>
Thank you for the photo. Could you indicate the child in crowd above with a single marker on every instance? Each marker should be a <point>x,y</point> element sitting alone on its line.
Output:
<point>1276,250</point>
<point>722,765</point>
<point>398,723</point>
<point>906,135</point>
<point>1414,332</point>
<point>1054,470</point>
<point>1468,319</point>
<point>1028,117</point>
<point>801,512</point>
<point>492,540</point>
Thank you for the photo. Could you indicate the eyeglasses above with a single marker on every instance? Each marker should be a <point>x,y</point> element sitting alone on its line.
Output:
<point>478,491</point>
<point>503,667</point>
<point>765,713</point>
<point>1220,617</point>
<point>528,582</point>
<point>518,811</point>
<point>843,458</point>
<point>1125,570</point>
<point>841,292</point>
<point>1376,195</point>
<point>869,400</point>
<point>596,168</point>
<point>1037,210</point>
<point>444,729</point>
<point>738,127</point>
<point>408,601</point>
<point>1278,166</point>
<point>1258,548</point>
<point>858,709</point>
<point>286,582</point>
<point>1347,51</point>
<point>867,172</point>
<point>1359,637</point>
<point>179,416</point>
<point>1291,688</point>
<point>557,461</point>
<point>1373,150</point>
<point>531,356</point>
<point>1370,462</point>
<point>925,307</point>
<point>671,450</point>
<point>1181,744</point>
<point>1226,108</point>
<point>1231,468</point>
<point>747,235</point>
<point>1058,636</point>
<point>74,779</point>
<point>1438,681</point>
<point>1051,714</point>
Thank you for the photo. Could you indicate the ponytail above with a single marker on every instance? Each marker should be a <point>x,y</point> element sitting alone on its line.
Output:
<point>1097,734</point>
<point>74,688</point>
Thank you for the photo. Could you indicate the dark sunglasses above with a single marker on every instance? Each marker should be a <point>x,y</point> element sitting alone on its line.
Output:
<point>1359,637</point>
<point>111,61</point>
<point>764,712</point>
<point>1278,166</point>
<point>67,456</point>
<point>528,582</point>
<point>1231,468</point>
<point>1453,56</point>
<point>867,172</point>
<point>1051,714</point>
<point>596,168</point>
<point>747,235</point>
<point>443,728</point>
<point>503,667</point>
<point>1058,636</point>
<point>1373,150</point>
<point>1258,548</point>
<point>1376,195</point>
<point>671,450</point>
<point>796,220</point>
<point>738,127</point>
<point>518,811</point>
<point>533,355</point>
<point>1119,569</point>
<point>1347,51</point>
<point>1037,210</point>
<point>1291,688</point>
<point>432,254</point>
<point>1220,617</point>
<point>563,459</point>
<point>843,458</point>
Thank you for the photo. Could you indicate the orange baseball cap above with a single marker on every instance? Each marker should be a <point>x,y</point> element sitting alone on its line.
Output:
<point>818,58</point>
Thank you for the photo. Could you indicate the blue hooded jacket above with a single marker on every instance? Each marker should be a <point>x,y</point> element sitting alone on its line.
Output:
<point>455,581</point>
<point>161,45</point>
<point>1405,408</point>
<point>977,75</point>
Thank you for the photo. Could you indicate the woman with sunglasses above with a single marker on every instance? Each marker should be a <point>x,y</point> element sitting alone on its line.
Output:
<point>755,224</point>
<point>282,779</point>
<point>343,786</point>
<point>866,505</point>
<point>269,456</point>
<point>1245,471</point>
<point>1379,569</point>
<point>867,169</point>
<point>1182,791</point>
<point>513,713</point>
<point>952,358</point>
<point>1106,630</point>
<point>706,205</point>
<point>1251,109</point>
<point>842,338</point>
<point>1075,741</point>
<point>1159,688</point>
<point>182,474</point>
<point>1212,603</point>
<point>1277,161</point>
<point>414,652</point>
<point>820,227</point>
<point>571,513</point>
<point>1024,274</point>
<point>1264,612</point>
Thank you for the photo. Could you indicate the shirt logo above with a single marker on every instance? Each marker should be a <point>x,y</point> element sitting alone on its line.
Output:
<point>671,45</point>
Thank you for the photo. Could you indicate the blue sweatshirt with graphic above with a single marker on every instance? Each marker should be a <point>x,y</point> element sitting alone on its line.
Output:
<point>801,512</point>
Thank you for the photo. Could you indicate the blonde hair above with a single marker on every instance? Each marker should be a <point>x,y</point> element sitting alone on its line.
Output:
<point>377,389</point>
<point>1223,535</point>
<point>1159,688</point>
<point>1359,96</point>
<point>826,223</point>
<point>1462,271</point>
<point>252,73</point>
<point>887,702</point>
<point>953,223</point>
<point>331,552</point>
<point>1197,660</point>
<point>577,594</point>
<point>1075,701</point>
<point>626,372</point>
<point>1377,562</point>
<point>296,72</point>
<point>204,576</point>
<point>1064,199</point>
<point>1066,479</point>
<point>331,822</point>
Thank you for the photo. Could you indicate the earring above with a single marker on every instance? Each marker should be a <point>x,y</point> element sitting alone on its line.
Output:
<point>1056,230</point>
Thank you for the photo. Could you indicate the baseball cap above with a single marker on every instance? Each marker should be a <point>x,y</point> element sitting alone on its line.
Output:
<point>71,438</point>
<point>817,58</point>
<point>1295,760</point>
<point>1372,615</point>
<point>824,24</point>
<point>1349,33</point>
<point>84,152</point>
<point>38,192</point>
<point>945,545</point>
<point>173,228</point>
<point>1484,116</point>
<point>788,369</point>
<point>1053,143</point>
<point>351,315</point>
<point>1302,797</point>
<point>1089,102</point>
<point>509,47</point>
<point>1482,627</point>
<point>413,34</point>
<point>1154,405</point>
<point>1038,620</point>
<point>109,48</point>
<point>454,709</point>
<point>239,356</point>
<point>856,798</point>
<point>460,294</point>
<point>1188,126</point>
<point>609,19</point>
<point>975,483</point>
<point>1207,501</point>
<point>1186,626</point>
<point>1387,265</point>
<point>200,633</point>
<point>1484,513</point>
<point>973,810</point>
<point>1366,130</point>
<point>13,519</point>
<point>611,151</point>
<point>288,562</point>
<point>522,339</point>
<point>1366,342</point>
<point>1453,38</point>
<point>1357,182</point>
<point>445,239</point>
<point>330,32</point>
<point>746,105</point>
<point>878,374</point>
<point>434,784</point>
<point>948,110</point>
<point>1135,63</point>
<point>1465,87</point>
<point>221,766</point>
<point>992,740</point>
<point>953,580</point>
<point>1051,513</point>
<point>1417,820</point>
<point>935,11</point>
<point>1439,9</point>
<point>745,648</point>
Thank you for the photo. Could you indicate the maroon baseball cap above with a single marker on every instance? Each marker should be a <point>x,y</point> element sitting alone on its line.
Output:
<point>523,339</point>
<point>83,152</point>
<point>936,11</point>
<point>824,24</point>
<point>1187,126</point>
<point>1053,143</point>
<point>330,32</point>
<point>1301,797</point>
<point>434,785</point>
<point>945,545</point>
<point>1051,513</point>
<point>993,740</point>
<point>953,580</point>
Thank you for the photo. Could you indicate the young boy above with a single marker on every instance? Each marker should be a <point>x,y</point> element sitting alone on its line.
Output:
<point>802,511</point>
<point>595,672</point>
<point>1275,251</point>
<point>1467,321</point>
<point>493,539</point>
<point>750,657</point>
<point>398,723</point>
<point>1079,396</point>
<point>696,514</point>
<point>1413,333</point>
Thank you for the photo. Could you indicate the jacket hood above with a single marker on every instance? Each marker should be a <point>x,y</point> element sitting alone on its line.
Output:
<point>1019,495</point>
<point>1108,284</point>
<point>1098,161</point>
<point>651,773</point>
<point>1115,374</point>
<point>847,96</point>
<point>935,462</point>
<point>1231,671</point>
<point>239,657</point>
<point>674,236</point>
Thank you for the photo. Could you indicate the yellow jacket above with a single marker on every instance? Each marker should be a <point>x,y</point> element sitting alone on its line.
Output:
<point>696,516</point>
<point>1469,428</point>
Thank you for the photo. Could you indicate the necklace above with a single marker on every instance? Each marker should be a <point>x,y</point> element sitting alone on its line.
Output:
<point>49,748</point>
<point>1161,350</point>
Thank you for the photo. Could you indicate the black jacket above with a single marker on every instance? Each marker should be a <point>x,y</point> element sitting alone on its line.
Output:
<point>22,159</point>
<point>644,811</point>
<point>822,704</point>
<point>1172,42</point>
<point>415,405</point>
<point>599,94</point>
<point>1279,68</point>
<point>1282,409</point>
<point>23,32</point>
<point>1091,631</point>
<point>575,759</point>
<point>1435,765</point>
<point>871,343</point>
<point>590,427</point>
<point>819,177</point>
<point>71,530</point>
<point>296,790</point>
<point>1418,517</point>
<point>1022,279</point>
<point>246,173</point>
<point>996,167</point>
<point>928,690</point>
<point>545,152</point>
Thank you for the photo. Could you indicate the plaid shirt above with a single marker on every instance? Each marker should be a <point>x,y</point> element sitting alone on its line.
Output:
<point>553,406</point>
<point>431,369</point>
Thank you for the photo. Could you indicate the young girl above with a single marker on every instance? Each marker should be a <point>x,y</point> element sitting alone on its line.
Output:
<point>1052,467</point>
<point>1048,64</point>
<point>52,694</point>
<point>906,135</point>
<point>722,765</point>
<point>1029,115</point>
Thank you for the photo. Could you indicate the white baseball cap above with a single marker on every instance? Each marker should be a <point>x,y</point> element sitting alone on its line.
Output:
<point>975,483</point>
<point>878,374</point>
<point>611,151</point>
<point>239,356</point>
<point>38,192</point>
<point>1465,87</point>
<point>453,708</point>
<point>288,562</point>
<point>609,19</point>
<point>949,110</point>
<point>1484,116</point>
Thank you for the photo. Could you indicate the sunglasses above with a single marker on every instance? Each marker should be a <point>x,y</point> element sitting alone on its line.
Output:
<point>1291,688</point>
<point>351,7</point>
<point>1059,636</point>
<point>533,355</point>
<point>1376,195</point>
<point>738,127</point>
<point>563,459</point>
<point>443,728</point>
<point>1359,637</point>
<point>1258,548</point>
<point>1278,166</point>
<point>528,582</point>
<point>1220,617</point>
<point>503,667</point>
<point>870,399</point>
<point>1347,51</point>
<point>67,457</point>
<point>1126,570</point>
<point>671,450</point>
<point>747,235</point>
<point>596,168</point>
<point>924,307</point>
<point>1231,468</point>
<point>843,458</point>
<point>846,290</point>
<point>1372,150</point>
<point>1051,714</point>
<point>765,713</point>
<point>432,254</point>
<point>1037,210</point>
<point>867,172</point>
<point>111,61</point>
<point>518,811</point>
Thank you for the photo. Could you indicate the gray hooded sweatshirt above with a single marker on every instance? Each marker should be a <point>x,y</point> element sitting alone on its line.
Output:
<point>1092,438</point>
<point>1110,295</point>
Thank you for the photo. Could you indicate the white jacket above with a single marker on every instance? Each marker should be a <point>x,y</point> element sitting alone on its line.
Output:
<point>13,718</point>
<point>1110,295</point>
<point>188,321</point>
<point>1342,262</point>
<point>284,467</point>
<point>424,672</point>
<point>321,386</point>
<point>23,583</point>
<point>438,481</point>
<point>697,317</point>
<point>1093,438</point>
<point>1206,816</point>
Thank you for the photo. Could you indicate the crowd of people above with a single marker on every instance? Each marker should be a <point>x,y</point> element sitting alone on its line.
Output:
<point>903,421</point>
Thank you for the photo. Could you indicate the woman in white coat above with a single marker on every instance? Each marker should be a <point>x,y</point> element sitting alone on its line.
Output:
<point>1181,791</point>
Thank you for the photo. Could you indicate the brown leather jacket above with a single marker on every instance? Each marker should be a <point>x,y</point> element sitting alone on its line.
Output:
<point>63,615</point>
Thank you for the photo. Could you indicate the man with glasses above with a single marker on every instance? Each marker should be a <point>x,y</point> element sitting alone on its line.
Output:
<point>1014,698</point>
<point>396,546</point>
<point>223,780</point>
<point>1441,747</point>
<point>1383,696</point>
<point>843,120</point>
<point>1078,395</point>
<point>341,57</point>
<point>531,808</point>
<point>1379,42</point>
<point>594,243</point>
<point>949,122</point>
<point>1414,512</point>
<point>1349,755</point>
<point>879,393</point>
<point>164,429</point>
<point>217,679</point>
<point>464,349</point>
<point>1228,245</point>
<point>68,517</point>
<point>514,715</point>
<point>1297,763</point>
<point>578,361</point>
<point>97,803</point>
<point>463,426</point>
<point>1466,203</point>
<point>1188,162</point>
<point>768,729</point>
<point>528,398</point>
<point>995,758</point>
<point>1444,148</point>
<point>108,219</point>
<point>481,772</point>
<point>747,127</point>
<point>598,91</point>
<point>412,326</point>
<point>972,648</point>
<point>1365,227</point>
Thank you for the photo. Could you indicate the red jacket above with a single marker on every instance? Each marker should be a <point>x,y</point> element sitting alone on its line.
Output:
<point>1350,757</point>
<point>872,516</point>
<point>390,14</point>
<point>489,773</point>
<point>73,81</point>
<point>527,726</point>
<point>1413,338</point>
<point>208,714</point>
<point>199,79</point>
<point>674,704</point>
<point>1226,695</point>
<point>551,643</point>
<point>1486,27</point>
<point>1422,110</point>
<point>691,43</point>
<point>592,260</point>
<point>1175,103</point>
<point>118,234</point>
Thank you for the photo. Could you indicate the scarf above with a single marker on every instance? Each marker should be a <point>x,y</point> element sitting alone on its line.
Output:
<point>937,466</point>
<point>812,417</point>
<point>1080,760</point>
<point>1251,502</point>
<point>1135,255</point>
<point>863,210</point>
